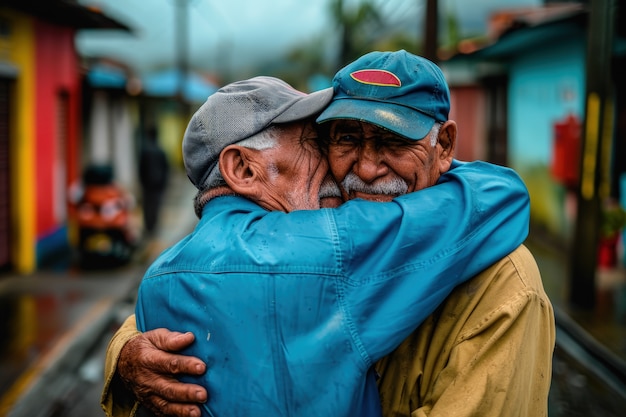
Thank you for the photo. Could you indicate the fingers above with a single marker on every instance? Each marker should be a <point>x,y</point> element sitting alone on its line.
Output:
<point>178,392</point>
<point>168,340</point>
<point>169,397</point>
<point>154,352</point>
<point>174,364</point>
<point>149,368</point>
<point>162,408</point>
<point>143,356</point>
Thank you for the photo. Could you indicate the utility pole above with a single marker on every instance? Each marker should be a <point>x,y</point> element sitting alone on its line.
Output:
<point>594,184</point>
<point>431,28</point>
<point>182,47</point>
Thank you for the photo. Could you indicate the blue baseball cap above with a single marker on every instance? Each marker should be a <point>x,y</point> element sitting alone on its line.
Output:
<point>398,91</point>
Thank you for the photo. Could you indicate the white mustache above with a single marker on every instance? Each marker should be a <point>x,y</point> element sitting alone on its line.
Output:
<point>395,186</point>
<point>329,188</point>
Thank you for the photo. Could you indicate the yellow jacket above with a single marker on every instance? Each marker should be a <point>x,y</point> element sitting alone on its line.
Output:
<point>116,400</point>
<point>487,351</point>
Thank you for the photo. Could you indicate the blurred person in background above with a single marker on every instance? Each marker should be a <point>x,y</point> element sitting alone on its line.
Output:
<point>485,351</point>
<point>153,177</point>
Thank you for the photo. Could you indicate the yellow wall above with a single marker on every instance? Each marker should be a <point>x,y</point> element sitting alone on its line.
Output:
<point>172,127</point>
<point>21,52</point>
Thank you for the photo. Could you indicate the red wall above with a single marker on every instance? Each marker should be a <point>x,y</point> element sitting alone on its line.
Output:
<point>467,109</point>
<point>57,71</point>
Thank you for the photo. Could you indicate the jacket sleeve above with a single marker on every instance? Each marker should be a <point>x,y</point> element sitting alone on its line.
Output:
<point>405,261</point>
<point>116,400</point>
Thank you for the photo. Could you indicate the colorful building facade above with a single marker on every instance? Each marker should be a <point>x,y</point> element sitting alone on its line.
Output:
<point>40,126</point>
<point>532,83</point>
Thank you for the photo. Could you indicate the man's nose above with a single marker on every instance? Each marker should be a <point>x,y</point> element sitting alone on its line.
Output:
<point>369,164</point>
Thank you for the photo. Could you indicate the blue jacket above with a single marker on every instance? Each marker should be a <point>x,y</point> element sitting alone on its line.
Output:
<point>290,310</point>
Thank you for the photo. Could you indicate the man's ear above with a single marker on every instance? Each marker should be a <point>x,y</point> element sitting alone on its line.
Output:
<point>237,170</point>
<point>447,140</point>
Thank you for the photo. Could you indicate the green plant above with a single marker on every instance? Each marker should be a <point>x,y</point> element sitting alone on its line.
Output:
<point>613,220</point>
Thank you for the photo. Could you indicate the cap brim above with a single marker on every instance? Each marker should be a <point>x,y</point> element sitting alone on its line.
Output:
<point>401,120</point>
<point>310,105</point>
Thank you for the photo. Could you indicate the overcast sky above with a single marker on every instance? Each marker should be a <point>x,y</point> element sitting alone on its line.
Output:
<point>242,31</point>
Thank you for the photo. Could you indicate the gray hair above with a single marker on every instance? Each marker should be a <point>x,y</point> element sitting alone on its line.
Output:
<point>433,135</point>
<point>265,139</point>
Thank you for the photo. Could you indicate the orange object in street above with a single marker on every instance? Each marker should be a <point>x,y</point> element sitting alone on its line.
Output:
<point>106,238</point>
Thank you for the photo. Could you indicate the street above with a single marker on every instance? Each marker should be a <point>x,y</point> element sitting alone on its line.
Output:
<point>67,379</point>
<point>581,386</point>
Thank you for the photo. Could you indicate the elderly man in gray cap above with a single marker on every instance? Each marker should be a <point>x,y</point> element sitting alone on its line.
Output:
<point>290,306</point>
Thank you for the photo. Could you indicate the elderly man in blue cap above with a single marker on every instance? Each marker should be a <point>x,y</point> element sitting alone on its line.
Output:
<point>487,350</point>
<point>388,134</point>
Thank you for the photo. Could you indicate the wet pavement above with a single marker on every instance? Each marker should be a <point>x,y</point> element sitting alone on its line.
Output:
<point>589,367</point>
<point>606,323</point>
<point>579,391</point>
<point>49,330</point>
<point>55,326</point>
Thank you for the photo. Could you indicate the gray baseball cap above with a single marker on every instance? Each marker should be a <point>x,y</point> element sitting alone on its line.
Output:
<point>238,111</point>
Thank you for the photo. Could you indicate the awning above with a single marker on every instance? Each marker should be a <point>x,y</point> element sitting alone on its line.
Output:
<point>66,13</point>
<point>167,83</point>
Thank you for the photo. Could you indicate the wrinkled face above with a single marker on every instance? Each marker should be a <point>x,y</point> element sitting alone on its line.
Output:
<point>375,164</point>
<point>292,174</point>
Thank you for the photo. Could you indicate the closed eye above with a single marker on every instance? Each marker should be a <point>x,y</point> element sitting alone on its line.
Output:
<point>346,140</point>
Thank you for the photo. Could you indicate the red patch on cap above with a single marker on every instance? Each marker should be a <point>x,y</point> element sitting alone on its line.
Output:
<point>376,77</point>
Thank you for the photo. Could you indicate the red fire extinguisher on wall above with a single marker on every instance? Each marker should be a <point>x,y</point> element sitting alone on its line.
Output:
<point>566,151</point>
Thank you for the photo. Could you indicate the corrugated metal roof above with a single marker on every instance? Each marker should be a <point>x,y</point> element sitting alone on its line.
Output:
<point>528,30</point>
